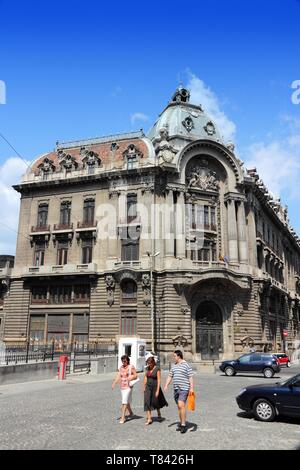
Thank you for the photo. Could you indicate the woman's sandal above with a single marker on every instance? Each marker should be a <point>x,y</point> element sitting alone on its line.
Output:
<point>148,422</point>
<point>122,421</point>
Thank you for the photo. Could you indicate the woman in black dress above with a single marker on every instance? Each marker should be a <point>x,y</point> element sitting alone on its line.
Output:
<point>153,396</point>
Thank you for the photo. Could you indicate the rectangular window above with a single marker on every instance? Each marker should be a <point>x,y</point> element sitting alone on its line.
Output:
<point>206,217</point>
<point>128,322</point>
<point>131,207</point>
<point>39,254</point>
<point>88,211</point>
<point>87,251</point>
<point>213,218</point>
<point>130,251</point>
<point>39,295</point>
<point>65,213</point>
<point>199,216</point>
<point>82,293</point>
<point>60,294</point>
<point>42,215</point>
<point>37,328</point>
<point>62,253</point>
<point>59,330</point>
<point>130,244</point>
<point>80,328</point>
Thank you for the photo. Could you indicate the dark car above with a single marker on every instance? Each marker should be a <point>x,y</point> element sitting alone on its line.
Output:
<point>283,358</point>
<point>255,362</point>
<point>267,401</point>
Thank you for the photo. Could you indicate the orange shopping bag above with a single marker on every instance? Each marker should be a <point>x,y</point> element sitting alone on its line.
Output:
<point>191,402</point>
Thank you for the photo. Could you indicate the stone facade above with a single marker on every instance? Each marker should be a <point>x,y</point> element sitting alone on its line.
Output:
<point>114,224</point>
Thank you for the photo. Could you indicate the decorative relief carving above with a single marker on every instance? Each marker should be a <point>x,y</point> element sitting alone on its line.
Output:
<point>89,158</point>
<point>185,309</point>
<point>188,123</point>
<point>164,150</point>
<point>67,161</point>
<point>146,285</point>
<point>132,152</point>
<point>179,341</point>
<point>46,167</point>
<point>210,128</point>
<point>110,287</point>
<point>200,177</point>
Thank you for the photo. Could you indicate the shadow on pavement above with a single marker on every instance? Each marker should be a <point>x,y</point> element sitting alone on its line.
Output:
<point>280,419</point>
<point>191,427</point>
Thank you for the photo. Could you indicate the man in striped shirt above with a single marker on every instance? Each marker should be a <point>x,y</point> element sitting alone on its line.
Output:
<point>182,375</point>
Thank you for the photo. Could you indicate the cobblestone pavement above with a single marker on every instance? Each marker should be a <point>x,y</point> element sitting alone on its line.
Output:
<point>82,413</point>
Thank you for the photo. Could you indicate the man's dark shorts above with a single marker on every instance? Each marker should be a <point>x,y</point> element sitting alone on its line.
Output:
<point>180,395</point>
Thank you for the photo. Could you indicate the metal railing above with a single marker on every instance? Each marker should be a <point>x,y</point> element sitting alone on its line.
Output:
<point>82,352</point>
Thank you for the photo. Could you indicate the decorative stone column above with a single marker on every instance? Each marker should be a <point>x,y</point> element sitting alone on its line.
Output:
<point>232,231</point>
<point>180,225</point>
<point>168,228</point>
<point>242,236</point>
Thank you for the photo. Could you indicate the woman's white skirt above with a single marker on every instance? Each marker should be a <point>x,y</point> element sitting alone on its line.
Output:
<point>126,396</point>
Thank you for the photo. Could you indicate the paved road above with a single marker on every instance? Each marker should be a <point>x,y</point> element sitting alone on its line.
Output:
<point>82,412</point>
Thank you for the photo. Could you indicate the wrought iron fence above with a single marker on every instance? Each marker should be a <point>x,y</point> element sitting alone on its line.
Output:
<point>25,352</point>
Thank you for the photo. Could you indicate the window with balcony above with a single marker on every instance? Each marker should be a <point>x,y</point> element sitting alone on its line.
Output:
<point>130,243</point>
<point>130,250</point>
<point>87,251</point>
<point>62,253</point>
<point>42,216</point>
<point>88,212</point>
<point>128,322</point>
<point>39,254</point>
<point>65,214</point>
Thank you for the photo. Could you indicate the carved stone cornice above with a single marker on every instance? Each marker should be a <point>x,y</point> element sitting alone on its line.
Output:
<point>236,197</point>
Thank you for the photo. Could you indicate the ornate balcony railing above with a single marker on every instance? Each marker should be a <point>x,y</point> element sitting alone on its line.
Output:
<point>87,224</point>
<point>40,228</point>
<point>65,227</point>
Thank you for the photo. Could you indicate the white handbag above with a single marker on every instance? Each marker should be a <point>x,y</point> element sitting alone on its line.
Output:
<point>132,382</point>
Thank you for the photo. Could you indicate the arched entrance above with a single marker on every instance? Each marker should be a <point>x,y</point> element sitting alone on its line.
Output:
<point>209,330</point>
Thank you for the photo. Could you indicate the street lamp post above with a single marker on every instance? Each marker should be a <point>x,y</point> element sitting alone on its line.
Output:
<point>151,256</point>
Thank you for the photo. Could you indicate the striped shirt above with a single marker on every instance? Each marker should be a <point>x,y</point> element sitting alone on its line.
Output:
<point>181,374</point>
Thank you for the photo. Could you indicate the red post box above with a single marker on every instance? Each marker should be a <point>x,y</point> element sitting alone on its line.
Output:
<point>62,367</point>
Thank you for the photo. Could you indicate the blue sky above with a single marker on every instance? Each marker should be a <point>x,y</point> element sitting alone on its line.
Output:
<point>76,69</point>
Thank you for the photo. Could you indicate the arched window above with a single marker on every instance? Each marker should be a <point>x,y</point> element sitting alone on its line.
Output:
<point>129,292</point>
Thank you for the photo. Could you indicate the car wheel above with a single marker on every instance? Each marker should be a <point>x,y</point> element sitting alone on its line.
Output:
<point>264,410</point>
<point>288,364</point>
<point>268,372</point>
<point>230,371</point>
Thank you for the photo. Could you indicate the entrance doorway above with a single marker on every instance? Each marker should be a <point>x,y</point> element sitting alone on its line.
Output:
<point>209,331</point>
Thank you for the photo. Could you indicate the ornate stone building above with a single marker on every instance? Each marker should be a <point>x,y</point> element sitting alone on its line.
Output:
<point>101,218</point>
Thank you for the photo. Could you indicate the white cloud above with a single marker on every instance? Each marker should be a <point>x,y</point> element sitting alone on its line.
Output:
<point>138,117</point>
<point>10,173</point>
<point>202,94</point>
<point>278,164</point>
